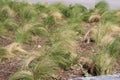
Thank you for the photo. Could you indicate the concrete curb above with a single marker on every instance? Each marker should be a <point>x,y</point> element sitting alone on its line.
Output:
<point>103,77</point>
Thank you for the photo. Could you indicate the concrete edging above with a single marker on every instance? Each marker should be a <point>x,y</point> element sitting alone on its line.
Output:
<point>103,77</point>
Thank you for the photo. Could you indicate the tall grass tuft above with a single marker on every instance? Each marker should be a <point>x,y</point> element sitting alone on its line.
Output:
<point>114,48</point>
<point>104,63</point>
<point>101,7</point>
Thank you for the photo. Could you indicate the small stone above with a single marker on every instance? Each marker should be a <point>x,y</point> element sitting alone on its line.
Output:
<point>39,46</point>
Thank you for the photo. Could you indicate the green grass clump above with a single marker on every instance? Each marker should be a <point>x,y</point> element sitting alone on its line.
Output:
<point>6,12</point>
<point>114,47</point>
<point>23,37</point>
<point>62,59</point>
<point>45,69</point>
<point>110,16</point>
<point>104,63</point>
<point>102,6</point>
<point>3,53</point>
<point>28,13</point>
<point>39,31</point>
<point>41,8</point>
<point>49,21</point>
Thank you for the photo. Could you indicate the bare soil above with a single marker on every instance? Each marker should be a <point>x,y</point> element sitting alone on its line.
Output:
<point>9,66</point>
<point>4,41</point>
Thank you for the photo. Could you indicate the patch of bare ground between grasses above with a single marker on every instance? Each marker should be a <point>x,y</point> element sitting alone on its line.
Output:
<point>117,67</point>
<point>9,67</point>
<point>71,74</point>
<point>4,41</point>
<point>85,48</point>
<point>37,42</point>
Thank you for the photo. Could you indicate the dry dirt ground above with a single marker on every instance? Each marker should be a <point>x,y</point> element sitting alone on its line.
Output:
<point>9,66</point>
